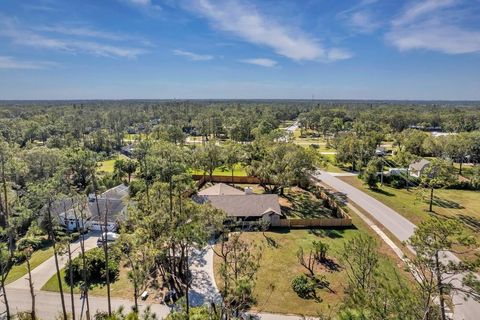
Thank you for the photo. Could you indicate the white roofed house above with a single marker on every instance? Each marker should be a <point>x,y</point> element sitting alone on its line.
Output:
<point>242,205</point>
<point>417,167</point>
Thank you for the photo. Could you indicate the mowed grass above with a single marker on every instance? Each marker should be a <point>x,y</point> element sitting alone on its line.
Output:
<point>108,165</point>
<point>120,288</point>
<point>463,205</point>
<point>279,266</point>
<point>238,171</point>
<point>38,257</point>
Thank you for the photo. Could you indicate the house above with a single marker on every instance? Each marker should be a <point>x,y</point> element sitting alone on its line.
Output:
<point>242,205</point>
<point>72,215</point>
<point>396,172</point>
<point>380,151</point>
<point>111,203</point>
<point>417,167</point>
<point>91,213</point>
<point>127,150</point>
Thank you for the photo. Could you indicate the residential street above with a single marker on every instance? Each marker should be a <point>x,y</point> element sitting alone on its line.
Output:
<point>48,304</point>
<point>203,291</point>
<point>401,228</point>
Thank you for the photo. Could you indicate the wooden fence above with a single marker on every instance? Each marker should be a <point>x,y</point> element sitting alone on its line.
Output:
<point>225,179</point>
<point>341,219</point>
<point>310,223</point>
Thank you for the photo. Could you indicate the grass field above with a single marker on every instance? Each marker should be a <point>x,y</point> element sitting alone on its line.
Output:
<point>279,266</point>
<point>121,288</point>
<point>463,205</point>
<point>238,171</point>
<point>107,165</point>
<point>38,257</point>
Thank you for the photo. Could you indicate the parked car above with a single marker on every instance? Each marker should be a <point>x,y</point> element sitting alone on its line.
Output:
<point>109,236</point>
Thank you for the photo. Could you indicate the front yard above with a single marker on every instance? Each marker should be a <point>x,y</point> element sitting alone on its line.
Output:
<point>279,266</point>
<point>120,288</point>
<point>38,257</point>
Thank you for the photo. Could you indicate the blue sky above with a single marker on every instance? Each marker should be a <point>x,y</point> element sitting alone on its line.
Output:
<point>184,49</point>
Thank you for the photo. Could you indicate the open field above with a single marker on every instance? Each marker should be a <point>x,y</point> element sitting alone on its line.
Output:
<point>38,257</point>
<point>463,205</point>
<point>238,171</point>
<point>108,165</point>
<point>279,266</point>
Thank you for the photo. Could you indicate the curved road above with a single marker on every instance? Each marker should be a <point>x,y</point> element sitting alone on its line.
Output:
<point>401,228</point>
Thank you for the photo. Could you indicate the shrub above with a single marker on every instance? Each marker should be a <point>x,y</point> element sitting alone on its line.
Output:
<point>95,265</point>
<point>304,287</point>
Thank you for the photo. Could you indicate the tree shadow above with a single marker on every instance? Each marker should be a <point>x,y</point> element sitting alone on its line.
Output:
<point>271,242</point>
<point>331,265</point>
<point>384,192</point>
<point>471,222</point>
<point>327,233</point>
<point>445,203</point>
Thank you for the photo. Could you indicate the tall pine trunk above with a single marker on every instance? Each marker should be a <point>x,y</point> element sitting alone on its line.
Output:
<point>32,292</point>
<point>55,254</point>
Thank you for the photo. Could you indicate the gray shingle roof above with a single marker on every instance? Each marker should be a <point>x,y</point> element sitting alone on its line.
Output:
<point>242,205</point>
<point>220,189</point>
<point>419,165</point>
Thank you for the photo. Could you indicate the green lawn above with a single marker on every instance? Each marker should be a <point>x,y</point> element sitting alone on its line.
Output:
<point>239,171</point>
<point>279,266</point>
<point>121,288</point>
<point>38,257</point>
<point>463,205</point>
<point>107,165</point>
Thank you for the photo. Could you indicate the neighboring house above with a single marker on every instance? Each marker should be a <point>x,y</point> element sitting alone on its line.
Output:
<point>127,150</point>
<point>380,151</point>
<point>112,203</point>
<point>242,205</point>
<point>417,168</point>
<point>396,172</point>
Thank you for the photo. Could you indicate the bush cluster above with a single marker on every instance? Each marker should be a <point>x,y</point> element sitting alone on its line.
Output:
<point>95,266</point>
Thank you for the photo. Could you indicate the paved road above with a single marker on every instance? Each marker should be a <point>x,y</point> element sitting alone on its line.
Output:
<point>42,273</point>
<point>401,228</point>
<point>48,304</point>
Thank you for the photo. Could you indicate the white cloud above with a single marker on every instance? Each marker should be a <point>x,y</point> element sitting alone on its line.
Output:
<point>24,37</point>
<point>141,2</point>
<point>418,9</point>
<point>261,62</point>
<point>192,56</point>
<point>7,62</point>
<point>82,31</point>
<point>247,23</point>
<point>434,25</point>
<point>363,22</point>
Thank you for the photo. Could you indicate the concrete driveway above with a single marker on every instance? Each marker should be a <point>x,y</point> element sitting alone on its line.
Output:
<point>402,229</point>
<point>46,270</point>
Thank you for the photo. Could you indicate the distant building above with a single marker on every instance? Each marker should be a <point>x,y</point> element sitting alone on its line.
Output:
<point>241,205</point>
<point>417,168</point>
